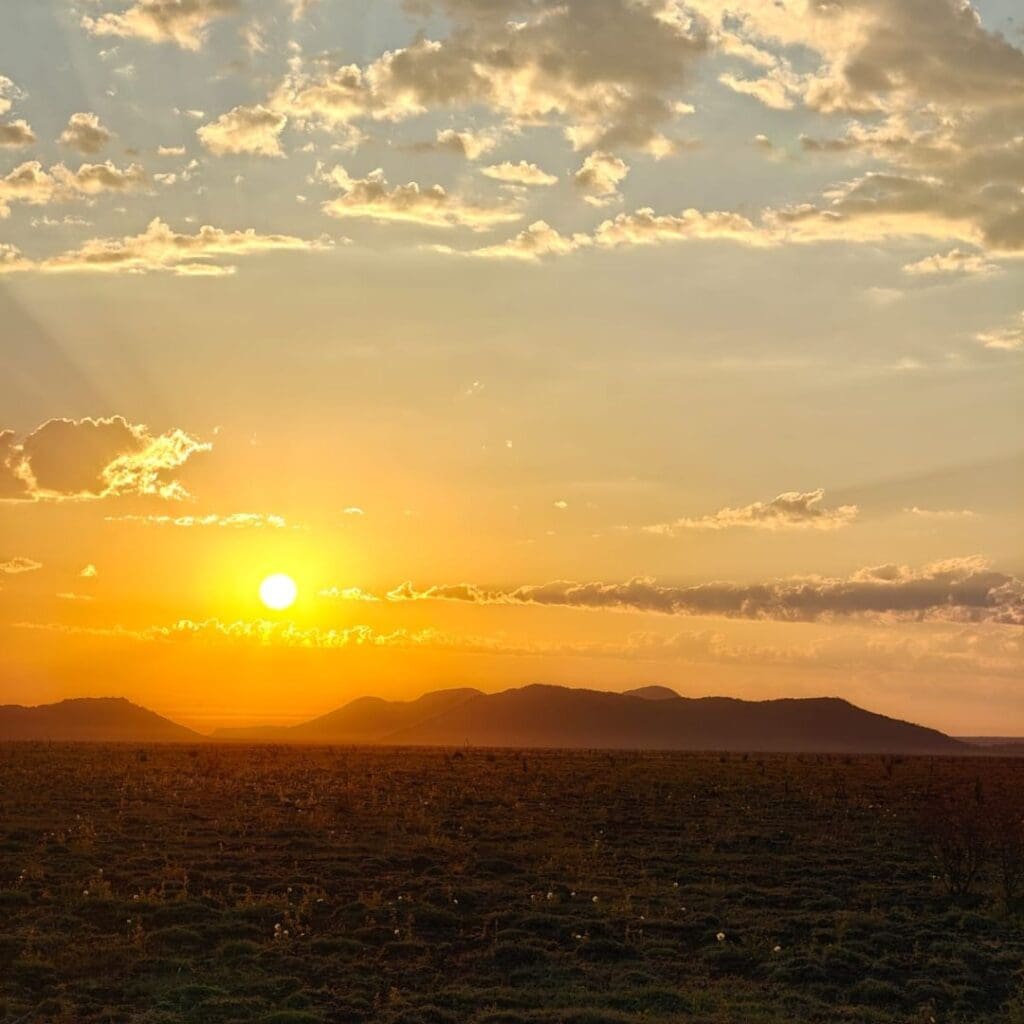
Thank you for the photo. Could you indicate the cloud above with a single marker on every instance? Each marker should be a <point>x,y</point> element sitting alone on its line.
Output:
<point>469,144</point>
<point>15,134</point>
<point>600,176</point>
<point>78,460</point>
<point>9,92</point>
<point>183,22</point>
<point>259,632</point>
<point>774,89</point>
<point>348,594</point>
<point>792,510</point>
<point>244,130</point>
<point>235,520</point>
<point>85,134</point>
<point>373,198</point>
<point>876,55</point>
<point>1006,339</point>
<point>161,249</point>
<point>522,173</point>
<point>298,9</point>
<point>957,590</point>
<point>642,227</point>
<point>14,566</point>
<point>941,513</point>
<point>88,572</point>
<point>532,244</point>
<point>31,183</point>
<point>605,70</point>
<point>956,261</point>
<point>931,92</point>
<point>645,227</point>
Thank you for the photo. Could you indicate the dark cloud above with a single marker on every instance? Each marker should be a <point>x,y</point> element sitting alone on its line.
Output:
<point>960,590</point>
<point>65,459</point>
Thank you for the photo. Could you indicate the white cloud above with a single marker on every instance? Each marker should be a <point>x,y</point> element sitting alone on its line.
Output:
<point>532,244</point>
<point>31,183</point>
<point>521,173</point>
<point>16,566</point>
<point>254,130</point>
<point>1006,339</point>
<point>183,22</point>
<point>606,70</point>
<point>233,521</point>
<point>941,513</point>
<point>956,261</point>
<point>600,176</point>
<point>161,249</point>
<point>16,134</point>
<point>85,133</point>
<point>373,198</point>
<point>469,144</point>
<point>792,510</point>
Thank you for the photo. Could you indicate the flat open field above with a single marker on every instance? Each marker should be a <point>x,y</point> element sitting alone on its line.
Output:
<point>299,885</point>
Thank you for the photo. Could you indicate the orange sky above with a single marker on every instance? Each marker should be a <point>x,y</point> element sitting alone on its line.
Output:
<point>668,349</point>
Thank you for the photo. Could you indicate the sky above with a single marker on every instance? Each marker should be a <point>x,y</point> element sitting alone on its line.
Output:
<point>595,342</point>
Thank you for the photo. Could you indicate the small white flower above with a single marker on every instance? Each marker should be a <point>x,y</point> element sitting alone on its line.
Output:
<point>594,899</point>
<point>776,949</point>
<point>720,936</point>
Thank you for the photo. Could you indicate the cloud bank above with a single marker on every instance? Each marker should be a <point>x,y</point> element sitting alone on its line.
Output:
<point>956,590</point>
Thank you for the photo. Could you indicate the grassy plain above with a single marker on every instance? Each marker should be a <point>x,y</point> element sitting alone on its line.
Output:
<point>303,885</point>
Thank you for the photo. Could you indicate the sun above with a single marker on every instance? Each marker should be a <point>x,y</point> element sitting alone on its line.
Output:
<point>278,591</point>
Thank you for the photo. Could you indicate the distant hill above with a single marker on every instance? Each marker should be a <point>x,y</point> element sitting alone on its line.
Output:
<point>652,693</point>
<point>364,720</point>
<point>651,718</point>
<point>95,719</point>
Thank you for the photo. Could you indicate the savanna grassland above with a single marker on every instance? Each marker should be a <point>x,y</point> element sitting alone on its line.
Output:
<point>290,885</point>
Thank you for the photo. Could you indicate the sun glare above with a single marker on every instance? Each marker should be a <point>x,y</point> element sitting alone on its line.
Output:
<point>278,591</point>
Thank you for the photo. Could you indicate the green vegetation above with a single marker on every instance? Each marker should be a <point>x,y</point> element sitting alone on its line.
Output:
<point>307,885</point>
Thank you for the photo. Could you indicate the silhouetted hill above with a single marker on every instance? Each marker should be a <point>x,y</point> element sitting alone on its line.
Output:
<point>97,719</point>
<point>652,718</point>
<point>364,720</point>
<point>556,716</point>
<point>652,693</point>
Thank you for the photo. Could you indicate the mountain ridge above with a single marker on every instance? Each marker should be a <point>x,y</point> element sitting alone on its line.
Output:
<point>538,715</point>
<point>91,719</point>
